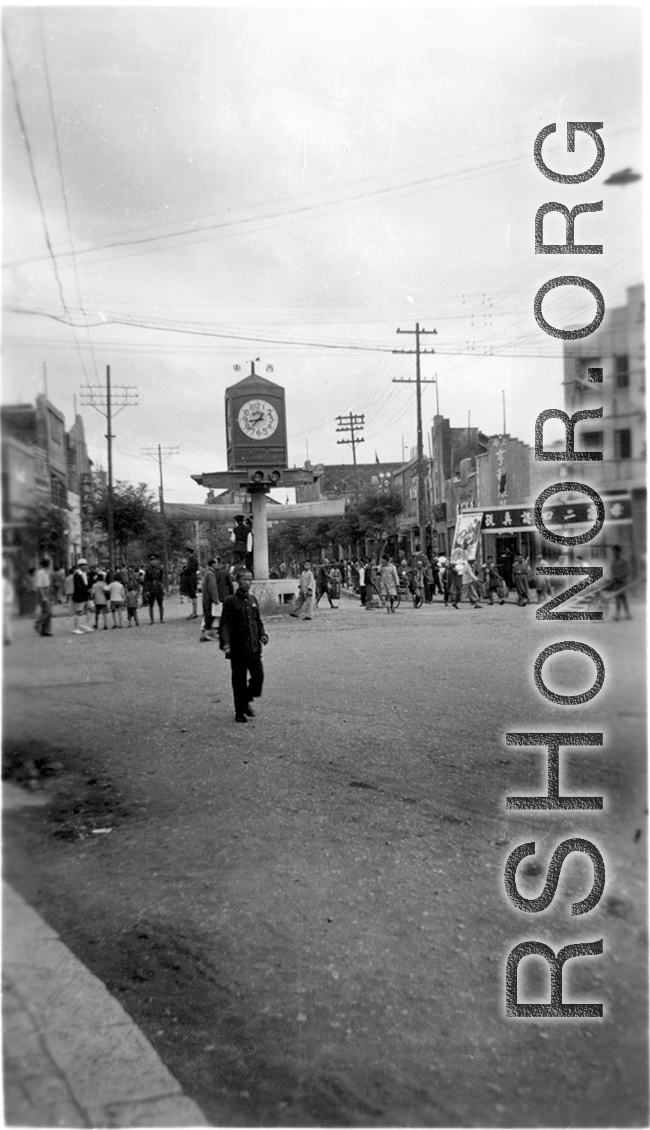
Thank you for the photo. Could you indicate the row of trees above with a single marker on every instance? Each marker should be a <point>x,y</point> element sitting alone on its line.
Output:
<point>137,526</point>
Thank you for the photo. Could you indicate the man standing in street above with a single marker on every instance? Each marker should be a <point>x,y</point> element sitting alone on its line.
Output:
<point>239,538</point>
<point>241,637</point>
<point>153,591</point>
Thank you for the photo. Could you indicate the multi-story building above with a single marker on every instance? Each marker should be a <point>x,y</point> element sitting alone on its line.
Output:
<point>452,477</point>
<point>41,463</point>
<point>406,483</point>
<point>607,370</point>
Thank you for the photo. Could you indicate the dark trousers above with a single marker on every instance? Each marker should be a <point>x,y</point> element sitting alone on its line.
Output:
<point>243,688</point>
<point>43,623</point>
<point>621,604</point>
<point>363,589</point>
<point>155,598</point>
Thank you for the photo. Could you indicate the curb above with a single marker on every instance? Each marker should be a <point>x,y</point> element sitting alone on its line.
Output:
<point>73,1056</point>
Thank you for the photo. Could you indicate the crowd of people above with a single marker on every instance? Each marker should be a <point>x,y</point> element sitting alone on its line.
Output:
<point>97,599</point>
<point>421,578</point>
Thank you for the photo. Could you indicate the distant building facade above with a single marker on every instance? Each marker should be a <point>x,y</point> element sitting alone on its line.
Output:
<point>42,463</point>
<point>607,370</point>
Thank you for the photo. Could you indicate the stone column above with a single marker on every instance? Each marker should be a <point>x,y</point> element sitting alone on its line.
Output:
<point>260,536</point>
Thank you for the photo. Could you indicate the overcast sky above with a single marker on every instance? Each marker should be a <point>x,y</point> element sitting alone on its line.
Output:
<point>218,184</point>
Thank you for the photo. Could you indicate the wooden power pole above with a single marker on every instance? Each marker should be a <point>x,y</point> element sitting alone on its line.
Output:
<point>419,381</point>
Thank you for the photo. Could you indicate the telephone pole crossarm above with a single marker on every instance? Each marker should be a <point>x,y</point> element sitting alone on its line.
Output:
<point>157,453</point>
<point>419,331</point>
<point>351,425</point>
<point>106,402</point>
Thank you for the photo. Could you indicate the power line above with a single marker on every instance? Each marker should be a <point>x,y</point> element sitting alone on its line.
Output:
<point>63,192</point>
<point>32,168</point>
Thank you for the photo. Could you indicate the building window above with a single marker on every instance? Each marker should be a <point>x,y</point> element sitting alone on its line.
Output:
<point>623,443</point>
<point>591,440</point>
<point>622,371</point>
<point>56,429</point>
<point>59,492</point>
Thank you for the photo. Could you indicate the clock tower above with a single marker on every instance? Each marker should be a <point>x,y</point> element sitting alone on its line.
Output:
<point>256,425</point>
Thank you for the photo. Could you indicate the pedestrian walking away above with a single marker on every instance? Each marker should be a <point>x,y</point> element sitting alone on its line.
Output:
<point>153,591</point>
<point>99,597</point>
<point>305,596</point>
<point>241,637</point>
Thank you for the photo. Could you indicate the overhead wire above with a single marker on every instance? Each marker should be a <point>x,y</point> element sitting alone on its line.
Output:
<point>32,168</point>
<point>64,193</point>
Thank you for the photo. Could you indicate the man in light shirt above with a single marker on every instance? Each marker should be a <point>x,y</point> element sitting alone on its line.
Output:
<point>306,586</point>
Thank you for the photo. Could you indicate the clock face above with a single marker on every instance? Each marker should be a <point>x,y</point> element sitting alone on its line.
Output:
<point>257,419</point>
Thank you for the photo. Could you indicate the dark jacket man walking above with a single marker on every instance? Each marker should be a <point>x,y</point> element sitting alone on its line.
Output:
<point>241,637</point>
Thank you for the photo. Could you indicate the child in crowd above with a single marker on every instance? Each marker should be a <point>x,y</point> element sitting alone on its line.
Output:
<point>100,600</point>
<point>132,606</point>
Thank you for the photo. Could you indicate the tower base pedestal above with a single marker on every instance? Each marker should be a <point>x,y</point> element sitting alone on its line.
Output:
<point>275,597</point>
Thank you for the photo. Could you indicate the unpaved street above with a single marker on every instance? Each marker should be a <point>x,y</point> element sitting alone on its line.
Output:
<point>306,915</point>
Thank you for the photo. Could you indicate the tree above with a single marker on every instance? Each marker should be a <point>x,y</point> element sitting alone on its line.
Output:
<point>376,510</point>
<point>136,520</point>
<point>45,533</point>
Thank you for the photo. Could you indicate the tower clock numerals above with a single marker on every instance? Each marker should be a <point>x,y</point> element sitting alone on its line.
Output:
<point>257,419</point>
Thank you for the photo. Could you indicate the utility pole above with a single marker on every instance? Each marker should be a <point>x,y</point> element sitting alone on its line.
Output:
<point>167,451</point>
<point>419,381</point>
<point>352,425</point>
<point>120,397</point>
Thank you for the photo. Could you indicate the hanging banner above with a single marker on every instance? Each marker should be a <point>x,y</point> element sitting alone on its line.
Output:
<point>466,537</point>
